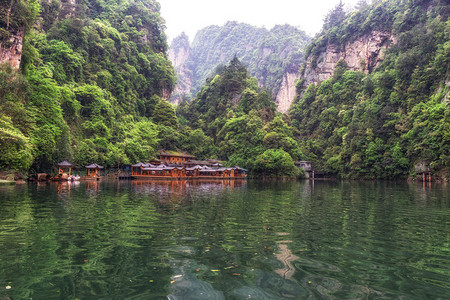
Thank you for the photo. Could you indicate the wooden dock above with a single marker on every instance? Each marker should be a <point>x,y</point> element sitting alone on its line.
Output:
<point>124,176</point>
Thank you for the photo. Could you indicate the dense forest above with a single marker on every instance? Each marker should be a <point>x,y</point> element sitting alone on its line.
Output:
<point>237,121</point>
<point>267,54</point>
<point>90,86</point>
<point>94,77</point>
<point>381,124</point>
<point>368,124</point>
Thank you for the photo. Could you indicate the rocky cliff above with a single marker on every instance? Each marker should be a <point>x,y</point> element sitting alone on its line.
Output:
<point>180,60</point>
<point>17,17</point>
<point>179,57</point>
<point>12,31</point>
<point>272,56</point>
<point>286,94</point>
<point>11,49</point>
<point>362,54</point>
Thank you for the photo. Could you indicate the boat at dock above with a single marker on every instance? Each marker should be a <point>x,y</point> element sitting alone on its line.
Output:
<point>74,178</point>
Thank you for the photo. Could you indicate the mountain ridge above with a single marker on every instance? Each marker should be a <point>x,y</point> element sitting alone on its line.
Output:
<point>269,55</point>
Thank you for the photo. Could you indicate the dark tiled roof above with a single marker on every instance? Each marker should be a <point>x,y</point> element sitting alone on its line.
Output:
<point>140,164</point>
<point>173,153</point>
<point>208,162</point>
<point>65,163</point>
<point>94,166</point>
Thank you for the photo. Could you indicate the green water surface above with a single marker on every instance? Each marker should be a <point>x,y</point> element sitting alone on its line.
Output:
<point>225,240</point>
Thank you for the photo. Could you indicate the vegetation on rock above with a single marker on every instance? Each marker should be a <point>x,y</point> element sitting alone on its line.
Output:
<point>380,125</point>
<point>267,54</point>
<point>90,86</point>
<point>241,121</point>
<point>94,78</point>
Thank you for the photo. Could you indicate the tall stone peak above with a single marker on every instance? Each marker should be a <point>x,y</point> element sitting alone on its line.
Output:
<point>272,56</point>
<point>179,54</point>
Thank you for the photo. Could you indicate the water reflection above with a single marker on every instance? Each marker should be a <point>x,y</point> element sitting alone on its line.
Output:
<point>174,193</point>
<point>224,240</point>
<point>181,186</point>
<point>285,256</point>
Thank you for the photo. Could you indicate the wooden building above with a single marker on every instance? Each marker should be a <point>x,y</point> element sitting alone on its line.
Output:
<point>196,172</point>
<point>423,171</point>
<point>137,169</point>
<point>238,172</point>
<point>192,171</point>
<point>93,170</point>
<point>208,162</point>
<point>63,166</point>
<point>148,171</point>
<point>180,166</point>
<point>176,158</point>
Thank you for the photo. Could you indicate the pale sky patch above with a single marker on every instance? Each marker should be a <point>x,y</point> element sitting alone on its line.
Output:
<point>192,15</point>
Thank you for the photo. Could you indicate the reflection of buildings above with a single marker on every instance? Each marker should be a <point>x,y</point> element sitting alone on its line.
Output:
<point>171,188</point>
<point>64,187</point>
<point>182,185</point>
<point>92,187</point>
<point>180,191</point>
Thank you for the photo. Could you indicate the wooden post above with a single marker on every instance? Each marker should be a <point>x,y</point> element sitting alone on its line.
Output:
<point>423,177</point>
<point>429,176</point>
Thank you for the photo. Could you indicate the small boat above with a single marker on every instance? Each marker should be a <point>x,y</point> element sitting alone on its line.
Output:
<point>73,178</point>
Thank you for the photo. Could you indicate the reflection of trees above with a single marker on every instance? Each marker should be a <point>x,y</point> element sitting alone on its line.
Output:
<point>115,241</point>
<point>73,247</point>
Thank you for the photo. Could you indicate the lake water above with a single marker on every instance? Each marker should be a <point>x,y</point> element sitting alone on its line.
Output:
<point>225,240</point>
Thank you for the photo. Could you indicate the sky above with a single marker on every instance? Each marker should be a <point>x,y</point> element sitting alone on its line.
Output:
<point>192,15</point>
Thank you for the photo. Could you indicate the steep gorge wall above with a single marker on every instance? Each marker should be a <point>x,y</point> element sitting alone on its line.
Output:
<point>286,94</point>
<point>272,56</point>
<point>179,57</point>
<point>363,54</point>
<point>11,49</point>
<point>12,35</point>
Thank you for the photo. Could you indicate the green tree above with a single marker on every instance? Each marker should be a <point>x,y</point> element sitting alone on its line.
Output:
<point>335,16</point>
<point>274,162</point>
<point>164,114</point>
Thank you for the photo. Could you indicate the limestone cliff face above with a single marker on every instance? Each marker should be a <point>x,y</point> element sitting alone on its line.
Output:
<point>286,94</point>
<point>11,49</point>
<point>179,57</point>
<point>363,54</point>
<point>68,9</point>
<point>272,56</point>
